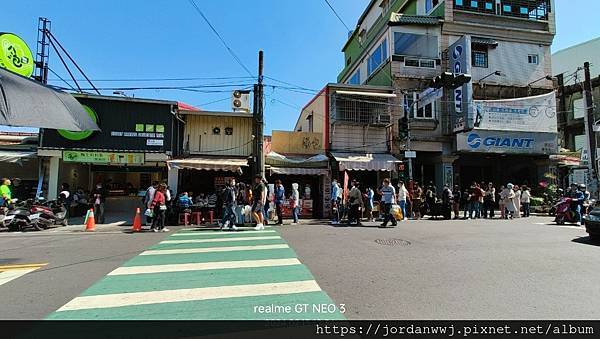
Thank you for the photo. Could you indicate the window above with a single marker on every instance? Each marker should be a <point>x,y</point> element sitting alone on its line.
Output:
<point>309,120</point>
<point>459,3</point>
<point>507,8</point>
<point>355,79</point>
<point>480,56</point>
<point>423,63</point>
<point>533,59</point>
<point>378,57</point>
<point>430,5</point>
<point>418,45</point>
<point>426,112</point>
<point>474,3</point>
<point>527,9</point>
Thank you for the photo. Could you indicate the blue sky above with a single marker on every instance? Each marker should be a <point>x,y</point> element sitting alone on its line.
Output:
<point>141,39</point>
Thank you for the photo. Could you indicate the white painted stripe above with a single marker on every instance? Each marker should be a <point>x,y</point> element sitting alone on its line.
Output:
<point>194,241</point>
<point>192,294</point>
<point>6,276</point>
<point>225,234</point>
<point>215,249</point>
<point>204,266</point>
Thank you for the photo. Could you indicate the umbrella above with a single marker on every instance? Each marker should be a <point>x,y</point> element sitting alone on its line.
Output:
<point>27,103</point>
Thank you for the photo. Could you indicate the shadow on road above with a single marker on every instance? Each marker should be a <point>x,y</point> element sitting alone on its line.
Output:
<point>586,241</point>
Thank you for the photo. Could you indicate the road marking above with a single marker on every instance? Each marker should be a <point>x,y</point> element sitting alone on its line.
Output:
<point>215,249</point>
<point>186,234</point>
<point>127,270</point>
<point>16,267</point>
<point>12,272</point>
<point>194,241</point>
<point>561,226</point>
<point>193,294</point>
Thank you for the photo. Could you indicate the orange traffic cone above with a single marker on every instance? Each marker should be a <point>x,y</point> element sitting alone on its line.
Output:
<point>137,221</point>
<point>90,226</point>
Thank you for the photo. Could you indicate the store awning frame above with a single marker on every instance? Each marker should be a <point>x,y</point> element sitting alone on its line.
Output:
<point>298,171</point>
<point>209,164</point>
<point>366,161</point>
<point>367,94</point>
<point>15,157</point>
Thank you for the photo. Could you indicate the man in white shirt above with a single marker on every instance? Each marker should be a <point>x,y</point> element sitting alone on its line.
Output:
<point>388,198</point>
<point>402,197</point>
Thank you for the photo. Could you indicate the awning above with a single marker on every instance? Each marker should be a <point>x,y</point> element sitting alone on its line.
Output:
<point>209,164</point>
<point>367,94</point>
<point>366,162</point>
<point>13,157</point>
<point>298,171</point>
<point>26,103</point>
<point>484,41</point>
<point>279,160</point>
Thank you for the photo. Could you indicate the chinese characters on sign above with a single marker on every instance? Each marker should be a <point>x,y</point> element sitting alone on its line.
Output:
<point>103,157</point>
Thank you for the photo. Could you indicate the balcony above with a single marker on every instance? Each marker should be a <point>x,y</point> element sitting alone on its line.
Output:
<point>535,10</point>
<point>362,109</point>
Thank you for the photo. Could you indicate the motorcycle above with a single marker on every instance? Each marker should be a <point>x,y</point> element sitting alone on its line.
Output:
<point>34,215</point>
<point>565,211</point>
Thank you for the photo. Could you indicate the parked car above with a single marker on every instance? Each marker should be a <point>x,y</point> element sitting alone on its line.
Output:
<point>592,224</point>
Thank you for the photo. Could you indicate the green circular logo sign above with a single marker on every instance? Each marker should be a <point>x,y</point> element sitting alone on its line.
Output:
<point>78,136</point>
<point>15,56</point>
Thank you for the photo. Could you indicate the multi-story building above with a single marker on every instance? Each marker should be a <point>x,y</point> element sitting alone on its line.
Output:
<point>505,46</point>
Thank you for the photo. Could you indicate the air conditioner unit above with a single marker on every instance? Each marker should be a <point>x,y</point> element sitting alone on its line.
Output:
<point>384,119</point>
<point>240,101</point>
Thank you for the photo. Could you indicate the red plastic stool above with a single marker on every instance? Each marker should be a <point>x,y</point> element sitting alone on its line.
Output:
<point>185,217</point>
<point>197,216</point>
<point>211,215</point>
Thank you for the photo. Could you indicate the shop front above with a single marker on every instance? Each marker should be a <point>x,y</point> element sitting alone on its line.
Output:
<point>501,157</point>
<point>137,137</point>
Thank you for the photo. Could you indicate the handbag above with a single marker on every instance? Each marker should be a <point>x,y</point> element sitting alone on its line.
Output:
<point>148,213</point>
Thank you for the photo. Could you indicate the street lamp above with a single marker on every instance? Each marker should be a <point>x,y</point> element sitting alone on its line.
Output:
<point>529,88</point>
<point>496,73</point>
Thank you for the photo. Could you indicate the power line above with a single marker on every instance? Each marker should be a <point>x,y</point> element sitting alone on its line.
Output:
<point>62,79</point>
<point>337,15</point>
<point>237,59</point>
<point>162,79</point>
<point>214,101</point>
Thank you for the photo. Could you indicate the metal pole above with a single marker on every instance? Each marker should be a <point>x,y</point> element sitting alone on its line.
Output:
<point>259,118</point>
<point>589,105</point>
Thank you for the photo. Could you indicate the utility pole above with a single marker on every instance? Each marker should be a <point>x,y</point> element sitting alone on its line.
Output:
<point>258,150</point>
<point>589,106</point>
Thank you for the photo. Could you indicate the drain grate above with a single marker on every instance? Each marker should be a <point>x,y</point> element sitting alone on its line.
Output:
<point>392,242</point>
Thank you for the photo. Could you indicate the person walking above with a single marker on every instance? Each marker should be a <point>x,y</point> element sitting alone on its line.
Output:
<point>336,200</point>
<point>416,199</point>
<point>99,198</point>
<point>526,201</point>
<point>370,203</point>
<point>502,201</point>
<point>510,201</point>
<point>517,202</point>
<point>229,205</point>
<point>295,200</point>
<point>159,206</point>
<point>356,202</point>
<point>148,197</point>
<point>388,198</point>
<point>447,198</point>
<point>259,194</point>
<point>489,201</point>
<point>475,195</point>
<point>402,199</point>
<point>279,199</point>
<point>456,199</point>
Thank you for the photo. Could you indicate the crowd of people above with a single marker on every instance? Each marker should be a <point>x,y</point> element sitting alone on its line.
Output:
<point>479,200</point>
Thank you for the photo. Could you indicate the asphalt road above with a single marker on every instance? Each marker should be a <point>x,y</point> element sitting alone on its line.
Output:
<point>520,269</point>
<point>479,269</point>
<point>74,262</point>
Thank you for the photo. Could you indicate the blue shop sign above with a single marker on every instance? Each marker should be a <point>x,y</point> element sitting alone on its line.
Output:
<point>507,142</point>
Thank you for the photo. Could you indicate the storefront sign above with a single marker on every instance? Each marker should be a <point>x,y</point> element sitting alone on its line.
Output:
<point>297,142</point>
<point>531,114</point>
<point>460,63</point>
<point>429,96</point>
<point>77,136</point>
<point>507,142</point>
<point>104,157</point>
<point>449,175</point>
<point>15,55</point>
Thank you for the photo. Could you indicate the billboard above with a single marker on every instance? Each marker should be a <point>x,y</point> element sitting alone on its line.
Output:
<point>460,63</point>
<point>505,142</point>
<point>126,125</point>
<point>15,55</point>
<point>530,114</point>
<point>297,142</point>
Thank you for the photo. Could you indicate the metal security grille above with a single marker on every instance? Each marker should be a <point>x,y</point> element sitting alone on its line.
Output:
<point>360,110</point>
<point>527,9</point>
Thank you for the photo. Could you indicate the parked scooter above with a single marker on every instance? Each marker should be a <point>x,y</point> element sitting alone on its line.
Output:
<point>565,211</point>
<point>33,215</point>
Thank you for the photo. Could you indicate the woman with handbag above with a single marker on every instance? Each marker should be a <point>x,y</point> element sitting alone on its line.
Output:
<point>159,205</point>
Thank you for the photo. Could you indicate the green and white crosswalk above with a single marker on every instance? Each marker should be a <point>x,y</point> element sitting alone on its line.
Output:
<point>247,275</point>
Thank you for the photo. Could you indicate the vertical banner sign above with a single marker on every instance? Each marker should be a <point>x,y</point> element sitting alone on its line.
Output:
<point>460,63</point>
<point>15,55</point>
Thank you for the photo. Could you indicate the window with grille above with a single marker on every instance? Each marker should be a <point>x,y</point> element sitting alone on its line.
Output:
<point>480,57</point>
<point>527,9</point>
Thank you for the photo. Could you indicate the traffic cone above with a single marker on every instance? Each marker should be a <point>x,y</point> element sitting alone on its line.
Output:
<point>87,215</point>
<point>137,221</point>
<point>90,226</point>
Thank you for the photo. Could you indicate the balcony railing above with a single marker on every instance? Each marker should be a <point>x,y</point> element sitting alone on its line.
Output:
<point>537,10</point>
<point>361,110</point>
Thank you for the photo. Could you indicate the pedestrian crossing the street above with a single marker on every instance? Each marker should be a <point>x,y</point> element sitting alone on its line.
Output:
<point>192,275</point>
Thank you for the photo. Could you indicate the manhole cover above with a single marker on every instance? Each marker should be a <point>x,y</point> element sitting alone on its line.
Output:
<point>392,242</point>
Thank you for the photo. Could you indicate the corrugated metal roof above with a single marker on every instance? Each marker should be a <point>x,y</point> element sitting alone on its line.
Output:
<point>403,19</point>
<point>484,41</point>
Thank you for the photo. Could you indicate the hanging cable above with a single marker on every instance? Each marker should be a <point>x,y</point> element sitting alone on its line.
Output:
<point>61,78</point>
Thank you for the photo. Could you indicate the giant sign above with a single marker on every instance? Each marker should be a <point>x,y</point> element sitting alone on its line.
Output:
<point>15,55</point>
<point>460,63</point>
<point>530,114</point>
<point>503,142</point>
